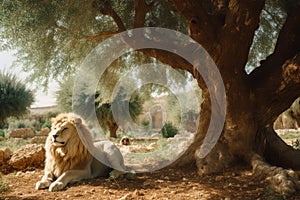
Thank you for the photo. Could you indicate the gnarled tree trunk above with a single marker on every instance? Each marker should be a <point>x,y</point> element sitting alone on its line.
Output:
<point>226,30</point>
<point>253,101</point>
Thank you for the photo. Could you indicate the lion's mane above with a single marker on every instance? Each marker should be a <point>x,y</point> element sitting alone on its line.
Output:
<point>74,155</point>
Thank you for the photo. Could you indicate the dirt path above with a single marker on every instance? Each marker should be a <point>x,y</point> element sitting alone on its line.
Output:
<point>164,184</point>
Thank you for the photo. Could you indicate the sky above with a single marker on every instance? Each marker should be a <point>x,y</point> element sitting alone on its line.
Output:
<point>42,98</point>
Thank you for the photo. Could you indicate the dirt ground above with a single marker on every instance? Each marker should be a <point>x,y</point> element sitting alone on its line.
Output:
<point>163,184</point>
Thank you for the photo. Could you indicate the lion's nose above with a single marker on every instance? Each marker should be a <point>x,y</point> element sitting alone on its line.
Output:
<point>55,136</point>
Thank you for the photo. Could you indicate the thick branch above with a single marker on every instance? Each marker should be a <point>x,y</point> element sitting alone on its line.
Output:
<point>277,76</point>
<point>141,9</point>
<point>287,46</point>
<point>286,92</point>
<point>203,27</point>
<point>236,36</point>
<point>106,9</point>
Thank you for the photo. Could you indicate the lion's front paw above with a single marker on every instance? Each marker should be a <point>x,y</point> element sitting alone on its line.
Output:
<point>42,185</point>
<point>56,186</point>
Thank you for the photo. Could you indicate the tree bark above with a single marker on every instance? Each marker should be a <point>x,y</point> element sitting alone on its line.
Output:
<point>112,127</point>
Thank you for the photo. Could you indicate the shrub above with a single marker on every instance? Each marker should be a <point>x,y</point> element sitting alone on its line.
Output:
<point>15,123</point>
<point>145,123</point>
<point>2,133</point>
<point>3,185</point>
<point>47,124</point>
<point>15,98</point>
<point>168,130</point>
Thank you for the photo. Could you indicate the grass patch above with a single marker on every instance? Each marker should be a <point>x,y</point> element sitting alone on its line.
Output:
<point>3,185</point>
<point>290,136</point>
<point>14,144</point>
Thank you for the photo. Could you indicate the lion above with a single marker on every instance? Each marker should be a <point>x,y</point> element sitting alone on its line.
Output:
<point>69,160</point>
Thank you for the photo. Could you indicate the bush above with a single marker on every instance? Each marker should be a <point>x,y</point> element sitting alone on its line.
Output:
<point>168,130</point>
<point>47,124</point>
<point>15,98</point>
<point>3,185</point>
<point>2,133</point>
<point>145,123</point>
<point>15,123</point>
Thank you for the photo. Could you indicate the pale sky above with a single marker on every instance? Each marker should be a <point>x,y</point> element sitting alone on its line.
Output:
<point>41,98</point>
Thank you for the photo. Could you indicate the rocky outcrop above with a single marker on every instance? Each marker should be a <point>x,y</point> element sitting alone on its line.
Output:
<point>5,154</point>
<point>31,155</point>
<point>22,133</point>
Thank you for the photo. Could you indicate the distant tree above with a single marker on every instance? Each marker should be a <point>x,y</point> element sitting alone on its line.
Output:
<point>64,94</point>
<point>15,98</point>
<point>102,105</point>
<point>105,115</point>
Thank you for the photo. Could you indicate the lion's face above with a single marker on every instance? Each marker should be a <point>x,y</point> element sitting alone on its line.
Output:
<point>61,133</point>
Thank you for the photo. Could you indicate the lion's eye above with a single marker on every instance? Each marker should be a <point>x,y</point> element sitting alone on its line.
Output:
<point>64,130</point>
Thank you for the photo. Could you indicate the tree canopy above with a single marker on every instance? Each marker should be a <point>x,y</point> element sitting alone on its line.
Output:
<point>53,40</point>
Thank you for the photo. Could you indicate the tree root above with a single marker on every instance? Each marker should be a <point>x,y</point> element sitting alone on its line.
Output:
<point>282,181</point>
<point>216,161</point>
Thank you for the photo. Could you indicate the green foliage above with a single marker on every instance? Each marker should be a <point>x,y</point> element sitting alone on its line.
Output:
<point>15,123</point>
<point>169,130</point>
<point>271,20</point>
<point>3,185</point>
<point>53,37</point>
<point>2,133</point>
<point>105,114</point>
<point>47,124</point>
<point>14,143</point>
<point>64,94</point>
<point>296,144</point>
<point>15,98</point>
<point>145,123</point>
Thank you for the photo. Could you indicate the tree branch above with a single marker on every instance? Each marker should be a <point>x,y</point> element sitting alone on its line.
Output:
<point>242,19</point>
<point>141,9</point>
<point>287,46</point>
<point>278,75</point>
<point>106,9</point>
<point>203,27</point>
<point>282,90</point>
<point>102,35</point>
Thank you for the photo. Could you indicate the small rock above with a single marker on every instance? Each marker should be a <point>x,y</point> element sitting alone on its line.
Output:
<point>1,138</point>
<point>19,174</point>
<point>78,195</point>
<point>93,190</point>
<point>5,154</point>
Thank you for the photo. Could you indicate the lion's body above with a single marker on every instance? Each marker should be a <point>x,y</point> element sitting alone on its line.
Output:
<point>67,158</point>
